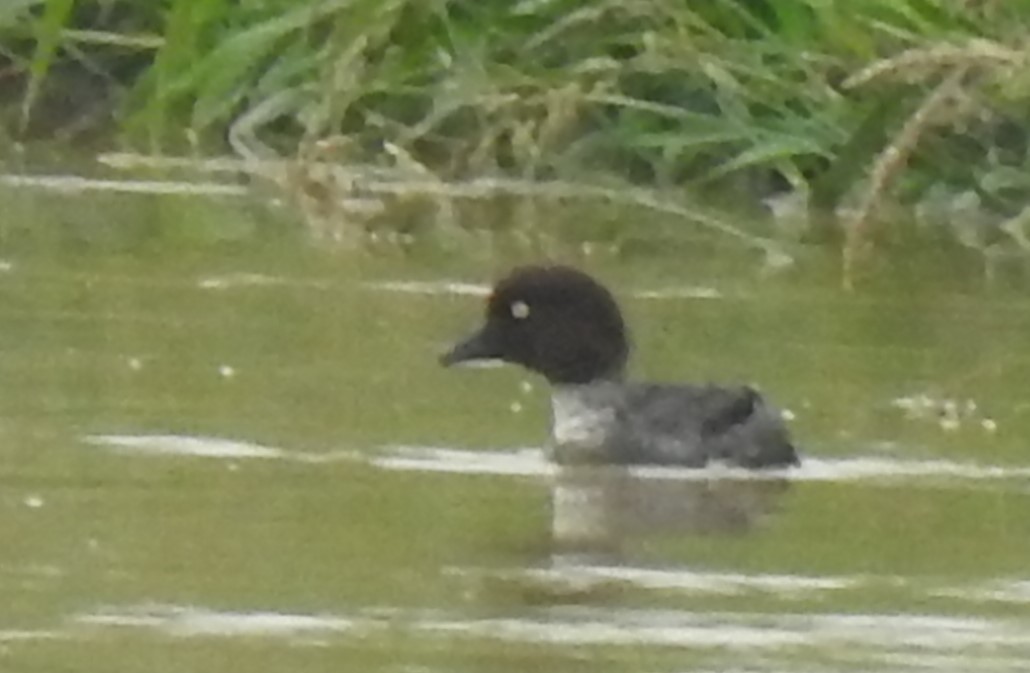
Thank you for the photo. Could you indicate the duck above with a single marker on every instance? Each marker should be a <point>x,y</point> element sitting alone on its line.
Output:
<point>559,322</point>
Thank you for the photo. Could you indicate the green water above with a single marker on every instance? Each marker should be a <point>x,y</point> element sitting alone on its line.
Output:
<point>336,535</point>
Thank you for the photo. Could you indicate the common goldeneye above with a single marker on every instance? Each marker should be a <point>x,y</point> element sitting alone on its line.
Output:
<point>561,323</point>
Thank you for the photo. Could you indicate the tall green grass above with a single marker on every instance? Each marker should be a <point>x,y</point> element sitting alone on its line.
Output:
<point>738,98</point>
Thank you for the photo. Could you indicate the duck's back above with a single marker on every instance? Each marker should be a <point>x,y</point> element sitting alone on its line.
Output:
<point>692,425</point>
<point>666,424</point>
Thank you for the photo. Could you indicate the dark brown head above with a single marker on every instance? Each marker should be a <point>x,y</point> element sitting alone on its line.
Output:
<point>554,320</point>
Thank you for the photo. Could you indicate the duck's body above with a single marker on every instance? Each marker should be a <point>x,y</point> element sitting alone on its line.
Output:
<point>561,323</point>
<point>662,424</point>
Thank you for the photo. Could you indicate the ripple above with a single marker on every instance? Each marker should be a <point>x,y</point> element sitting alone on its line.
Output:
<point>584,576</point>
<point>522,461</point>
<point>530,461</point>
<point>459,288</point>
<point>431,288</point>
<point>184,445</point>
<point>605,626</point>
<point>197,621</point>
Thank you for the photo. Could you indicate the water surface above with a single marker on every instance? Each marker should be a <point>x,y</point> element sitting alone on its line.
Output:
<point>235,456</point>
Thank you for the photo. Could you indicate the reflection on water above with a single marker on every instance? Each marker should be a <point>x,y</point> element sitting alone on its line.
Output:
<point>602,509</point>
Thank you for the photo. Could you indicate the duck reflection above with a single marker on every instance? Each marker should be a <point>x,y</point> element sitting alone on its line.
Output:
<point>600,510</point>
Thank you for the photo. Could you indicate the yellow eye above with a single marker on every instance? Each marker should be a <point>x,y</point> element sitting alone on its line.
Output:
<point>519,310</point>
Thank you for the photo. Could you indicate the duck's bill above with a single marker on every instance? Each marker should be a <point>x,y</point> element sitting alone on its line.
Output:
<point>477,347</point>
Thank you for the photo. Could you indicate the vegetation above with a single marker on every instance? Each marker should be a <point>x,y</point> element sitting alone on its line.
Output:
<point>853,107</point>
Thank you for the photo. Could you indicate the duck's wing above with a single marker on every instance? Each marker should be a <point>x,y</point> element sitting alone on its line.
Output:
<point>692,425</point>
<point>744,429</point>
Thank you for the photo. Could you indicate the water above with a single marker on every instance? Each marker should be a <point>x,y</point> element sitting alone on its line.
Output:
<point>220,455</point>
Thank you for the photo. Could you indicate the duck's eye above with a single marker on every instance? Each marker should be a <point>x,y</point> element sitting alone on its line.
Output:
<point>519,310</point>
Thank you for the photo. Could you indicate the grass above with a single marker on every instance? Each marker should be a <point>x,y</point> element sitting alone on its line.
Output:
<point>857,107</point>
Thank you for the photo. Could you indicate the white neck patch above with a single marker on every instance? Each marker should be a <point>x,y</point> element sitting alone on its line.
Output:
<point>583,414</point>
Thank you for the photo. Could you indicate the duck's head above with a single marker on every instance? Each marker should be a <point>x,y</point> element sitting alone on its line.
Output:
<point>553,320</point>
